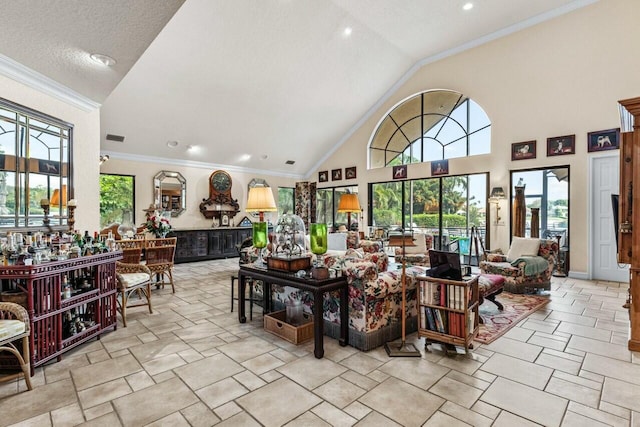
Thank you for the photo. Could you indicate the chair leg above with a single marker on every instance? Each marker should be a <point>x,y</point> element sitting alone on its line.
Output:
<point>149,297</point>
<point>173,288</point>
<point>25,363</point>
<point>123,308</point>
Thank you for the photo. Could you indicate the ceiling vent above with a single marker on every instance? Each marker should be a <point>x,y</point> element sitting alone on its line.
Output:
<point>116,138</point>
<point>290,162</point>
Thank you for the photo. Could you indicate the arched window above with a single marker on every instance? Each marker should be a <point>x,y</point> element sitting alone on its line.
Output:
<point>432,125</point>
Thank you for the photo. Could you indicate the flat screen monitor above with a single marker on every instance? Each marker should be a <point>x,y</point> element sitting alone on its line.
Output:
<point>445,265</point>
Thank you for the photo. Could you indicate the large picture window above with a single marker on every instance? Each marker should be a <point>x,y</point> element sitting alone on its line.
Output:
<point>432,125</point>
<point>35,167</point>
<point>117,199</point>
<point>447,208</point>
<point>327,201</point>
<point>547,189</point>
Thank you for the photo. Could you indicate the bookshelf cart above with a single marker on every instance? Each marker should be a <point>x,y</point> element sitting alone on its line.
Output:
<point>448,310</point>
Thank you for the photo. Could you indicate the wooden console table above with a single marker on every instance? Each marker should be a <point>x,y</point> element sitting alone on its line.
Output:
<point>316,286</point>
<point>93,304</point>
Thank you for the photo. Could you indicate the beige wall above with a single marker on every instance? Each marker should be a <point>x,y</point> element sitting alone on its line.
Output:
<point>86,146</point>
<point>197,189</point>
<point>561,77</point>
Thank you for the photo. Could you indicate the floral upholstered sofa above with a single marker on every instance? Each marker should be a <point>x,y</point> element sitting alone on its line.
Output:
<point>524,270</point>
<point>374,298</point>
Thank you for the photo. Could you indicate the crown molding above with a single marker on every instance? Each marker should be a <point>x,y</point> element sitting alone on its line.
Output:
<point>25,75</point>
<point>196,164</point>
<point>569,7</point>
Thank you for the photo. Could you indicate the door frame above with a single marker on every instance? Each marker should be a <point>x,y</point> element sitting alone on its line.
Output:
<point>590,206</point>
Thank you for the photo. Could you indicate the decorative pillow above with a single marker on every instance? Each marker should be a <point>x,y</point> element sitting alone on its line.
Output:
<point>337,241</point>
<point>381,260</point>
<point>521,246</point>
<point>355,253</point>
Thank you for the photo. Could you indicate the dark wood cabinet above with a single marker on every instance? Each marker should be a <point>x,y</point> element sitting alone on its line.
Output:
<point>214,243</point>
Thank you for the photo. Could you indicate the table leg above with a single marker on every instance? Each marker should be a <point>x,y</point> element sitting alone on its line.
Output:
<point>242,318</point>
<point>266,297</point>
<point>344,316</point>
<point>318,325</point>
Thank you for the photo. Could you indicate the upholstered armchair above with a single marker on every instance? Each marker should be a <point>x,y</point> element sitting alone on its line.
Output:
<point>418,254</point>
<point>526,267</point>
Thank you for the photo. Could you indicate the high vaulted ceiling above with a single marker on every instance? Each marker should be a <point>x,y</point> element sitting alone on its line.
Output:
<point>249,83</point>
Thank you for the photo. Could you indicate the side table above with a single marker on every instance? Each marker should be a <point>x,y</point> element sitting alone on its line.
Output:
<point>316,286</point>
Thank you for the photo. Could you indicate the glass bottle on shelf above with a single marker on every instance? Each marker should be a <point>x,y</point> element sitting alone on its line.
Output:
<point>66,288</point>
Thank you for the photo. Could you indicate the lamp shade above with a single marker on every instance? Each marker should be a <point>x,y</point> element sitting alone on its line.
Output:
<point>349,203</point>
<point>497,193</point>
<point>59,198</point>
<point>261,200</point>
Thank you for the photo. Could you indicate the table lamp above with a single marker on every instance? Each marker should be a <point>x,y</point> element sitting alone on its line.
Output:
<point>59,198</point>
<point>260,200</point>
<point>349,203</point>
<point>402,349</point>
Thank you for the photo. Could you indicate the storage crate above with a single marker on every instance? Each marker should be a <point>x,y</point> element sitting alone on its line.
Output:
<point>276,324</point>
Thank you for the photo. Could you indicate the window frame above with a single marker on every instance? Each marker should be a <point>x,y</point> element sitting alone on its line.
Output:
<point>23,212</point>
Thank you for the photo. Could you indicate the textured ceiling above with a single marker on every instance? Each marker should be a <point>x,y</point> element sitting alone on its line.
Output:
<point>56,37</point>
<point>250,83</point>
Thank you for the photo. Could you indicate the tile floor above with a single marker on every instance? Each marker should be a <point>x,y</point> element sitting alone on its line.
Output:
<point>192,364</point>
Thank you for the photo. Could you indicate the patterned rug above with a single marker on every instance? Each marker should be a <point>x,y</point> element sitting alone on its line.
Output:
<point>516,308</point>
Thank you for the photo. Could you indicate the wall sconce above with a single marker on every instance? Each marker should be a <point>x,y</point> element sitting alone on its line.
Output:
<point>497,194</point>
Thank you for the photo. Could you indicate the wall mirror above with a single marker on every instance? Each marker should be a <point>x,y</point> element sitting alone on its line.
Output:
<point>170,189</point>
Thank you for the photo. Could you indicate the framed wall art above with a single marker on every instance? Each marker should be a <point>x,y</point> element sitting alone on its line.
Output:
<point>350,173</point>
<point>440,167</point>
<point>523,150</point>
<point>561,145</point>
<point>323,176</point>
<point>336,174</point>
<point>400,172</point>
<point>603,140</point>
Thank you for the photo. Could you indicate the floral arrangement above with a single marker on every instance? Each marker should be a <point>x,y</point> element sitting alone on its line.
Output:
<point>156,224</point>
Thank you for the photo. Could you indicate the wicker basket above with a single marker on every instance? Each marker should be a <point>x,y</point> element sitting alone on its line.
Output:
<point>17,297</point>
<point>276,324</point>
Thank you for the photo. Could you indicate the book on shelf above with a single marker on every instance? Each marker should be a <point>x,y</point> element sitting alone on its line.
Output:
<point>430,319</point>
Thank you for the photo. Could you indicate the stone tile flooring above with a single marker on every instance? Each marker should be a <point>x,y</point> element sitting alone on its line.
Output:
<point>192,364</point>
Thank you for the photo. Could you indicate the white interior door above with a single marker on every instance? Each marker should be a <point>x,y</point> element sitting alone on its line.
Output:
<point>605,177</point>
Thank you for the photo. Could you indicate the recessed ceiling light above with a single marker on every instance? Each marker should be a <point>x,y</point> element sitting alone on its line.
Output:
<point>467,6</point>
<point>105,60</point>
<point>172,144</point>
<point>347,31</point>
<point>245,157</point>
<point>264,157</point>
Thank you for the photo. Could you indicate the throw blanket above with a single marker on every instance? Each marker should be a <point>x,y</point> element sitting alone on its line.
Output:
<point>533,264</point>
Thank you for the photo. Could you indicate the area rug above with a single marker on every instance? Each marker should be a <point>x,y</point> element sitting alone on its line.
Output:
<point>516,308</point>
